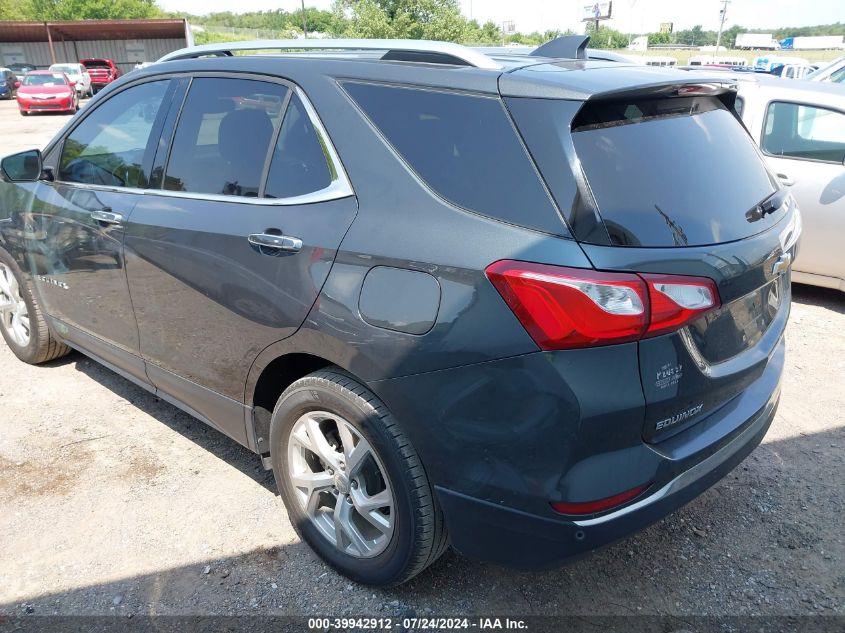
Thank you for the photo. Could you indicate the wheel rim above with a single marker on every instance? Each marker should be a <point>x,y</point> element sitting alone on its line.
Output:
<point>341,484</point>
<point>14,315</point>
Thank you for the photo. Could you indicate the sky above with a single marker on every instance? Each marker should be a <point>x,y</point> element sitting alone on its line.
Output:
<point>638,16</point>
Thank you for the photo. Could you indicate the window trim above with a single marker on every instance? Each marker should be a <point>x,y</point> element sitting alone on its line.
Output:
<point>795,103</point>
<point>339,188</point>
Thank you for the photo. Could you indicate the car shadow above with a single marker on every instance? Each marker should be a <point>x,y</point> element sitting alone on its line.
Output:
<point>174,418</point>
<point>822,297</point>
<point>764,540</point>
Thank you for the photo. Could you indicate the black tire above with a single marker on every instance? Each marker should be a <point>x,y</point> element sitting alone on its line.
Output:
<point>43,345</point>
<point>419,537</point>
<point>23,113</point>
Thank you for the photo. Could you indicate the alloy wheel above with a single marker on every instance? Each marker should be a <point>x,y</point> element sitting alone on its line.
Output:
<point>14,314</point>
<point>341,484</point>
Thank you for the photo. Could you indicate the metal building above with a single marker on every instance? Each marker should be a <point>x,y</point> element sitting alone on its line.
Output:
<point>126,42</point>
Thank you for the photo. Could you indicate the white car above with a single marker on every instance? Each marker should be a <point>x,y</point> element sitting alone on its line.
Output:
<point>78,76</point>
<point>834,72</point>
<point>800,128</point>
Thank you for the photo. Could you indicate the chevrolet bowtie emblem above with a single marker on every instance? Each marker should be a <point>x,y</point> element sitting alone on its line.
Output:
<point>782,264</point>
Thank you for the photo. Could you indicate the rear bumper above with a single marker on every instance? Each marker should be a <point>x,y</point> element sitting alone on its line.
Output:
<point>501,440</point>
<point>480,529</point>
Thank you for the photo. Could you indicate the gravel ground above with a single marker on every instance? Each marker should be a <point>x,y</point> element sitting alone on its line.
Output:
<point>113,502</point>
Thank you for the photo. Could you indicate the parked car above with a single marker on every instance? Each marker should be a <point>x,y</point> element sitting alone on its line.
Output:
<point>440,293</point>
<point>8,84</point>
<point>102,72</point>
<point>800,128</point>
<point>44,90</point>
<point>21,69</point>
<point>792,71</point>
<point>834,72</point>
<point>78,76</point>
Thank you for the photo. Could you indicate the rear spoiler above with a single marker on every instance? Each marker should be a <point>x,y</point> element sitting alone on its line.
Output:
<point>612,81</point>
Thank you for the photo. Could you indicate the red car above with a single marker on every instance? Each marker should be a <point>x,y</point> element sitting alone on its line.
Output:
<point>43,90</point>
<point>102,71</point>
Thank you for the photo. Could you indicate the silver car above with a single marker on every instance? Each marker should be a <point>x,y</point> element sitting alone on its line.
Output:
<point>800,128</point>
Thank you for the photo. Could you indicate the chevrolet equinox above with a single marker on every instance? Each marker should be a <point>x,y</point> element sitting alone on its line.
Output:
<point>520,304</point>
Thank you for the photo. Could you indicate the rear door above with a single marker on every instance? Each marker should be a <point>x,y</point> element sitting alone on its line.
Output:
<point>228,255</point>
<point>676,186</point>
<point>805,145</point>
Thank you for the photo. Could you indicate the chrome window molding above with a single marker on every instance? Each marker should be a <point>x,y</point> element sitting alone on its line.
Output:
<point>335,191</point>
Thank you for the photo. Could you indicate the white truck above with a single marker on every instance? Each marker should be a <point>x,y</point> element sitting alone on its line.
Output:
<point>758,41</point>
<point>817,42</point>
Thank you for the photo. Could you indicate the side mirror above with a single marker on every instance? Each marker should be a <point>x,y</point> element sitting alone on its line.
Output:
<point>22,167</point>
<point>17,84</point>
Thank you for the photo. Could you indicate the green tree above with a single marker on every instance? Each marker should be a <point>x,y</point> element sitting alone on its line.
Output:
<point>367,19</point>
<point>15,10</point>
<point>92,9</point>
<point>606,37</point>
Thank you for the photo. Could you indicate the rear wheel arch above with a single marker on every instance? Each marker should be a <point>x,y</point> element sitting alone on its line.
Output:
<point>266,384</point>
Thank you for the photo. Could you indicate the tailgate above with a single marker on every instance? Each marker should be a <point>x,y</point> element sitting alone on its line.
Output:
<point>689,374</point>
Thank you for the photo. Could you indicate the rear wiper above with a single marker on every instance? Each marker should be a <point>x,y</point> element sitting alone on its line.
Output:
<point>768,205</point>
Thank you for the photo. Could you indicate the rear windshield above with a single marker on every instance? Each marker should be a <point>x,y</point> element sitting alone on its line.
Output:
<point>68,70</point>
<point>668,172</point>
<point>671,172</point>
<point>96,63</point>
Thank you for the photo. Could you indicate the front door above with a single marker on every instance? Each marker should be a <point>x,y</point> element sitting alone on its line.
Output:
<point>805,146</point>
<point>76,252</point>
<point>230,254</point>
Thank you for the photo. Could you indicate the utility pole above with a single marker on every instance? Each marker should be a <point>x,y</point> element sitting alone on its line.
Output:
<point>630,24</point>
<point>304,23</point>
<point>724,13</point>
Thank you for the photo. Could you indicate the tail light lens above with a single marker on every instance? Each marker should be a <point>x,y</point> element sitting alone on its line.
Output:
<point>600,505</point>
<point>565,308</point>
<point>676,301</point>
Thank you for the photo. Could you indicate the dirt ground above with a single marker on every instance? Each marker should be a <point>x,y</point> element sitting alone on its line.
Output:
<point>113,502</point>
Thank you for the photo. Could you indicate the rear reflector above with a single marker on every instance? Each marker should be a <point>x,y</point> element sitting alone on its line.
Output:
<point>591,507</point>
<point>565,308</point>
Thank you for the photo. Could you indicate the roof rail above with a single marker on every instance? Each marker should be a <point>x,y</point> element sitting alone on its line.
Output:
<point>566,46</point>
<point>397,50</point>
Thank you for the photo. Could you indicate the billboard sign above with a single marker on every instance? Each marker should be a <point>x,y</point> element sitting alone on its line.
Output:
<point>597,11</point>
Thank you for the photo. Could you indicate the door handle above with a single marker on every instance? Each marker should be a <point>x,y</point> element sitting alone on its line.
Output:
<point>276,242</point>
<point>786,180</point>
<point>106,217</point>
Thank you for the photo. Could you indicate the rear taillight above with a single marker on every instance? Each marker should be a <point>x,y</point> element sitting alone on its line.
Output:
<point>676,301</point>
<point>572,307</point>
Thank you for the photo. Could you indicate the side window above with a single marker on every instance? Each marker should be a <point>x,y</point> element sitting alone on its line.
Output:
<point>464,147</point>
<point>802,131</point>
<point>300,160</point>
<point>109,146</point>
<point>837,76</point>
<point>223,136</point>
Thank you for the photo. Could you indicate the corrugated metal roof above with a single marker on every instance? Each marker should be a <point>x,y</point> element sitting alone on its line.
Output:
<point>81,31</point>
